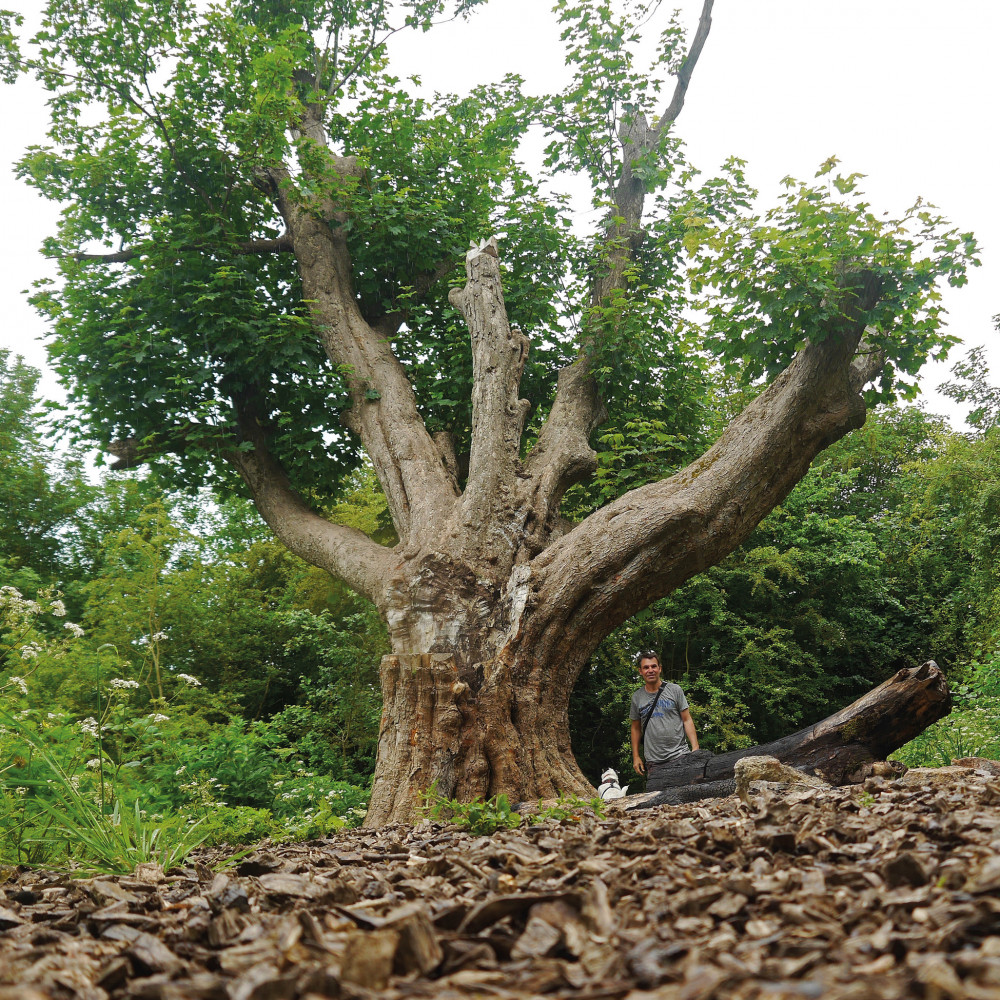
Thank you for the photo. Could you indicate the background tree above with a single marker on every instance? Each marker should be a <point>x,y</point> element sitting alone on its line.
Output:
<point>39,492</point>
<point>283,222</point>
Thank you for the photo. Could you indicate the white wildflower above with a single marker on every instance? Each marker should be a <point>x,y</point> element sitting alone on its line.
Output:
<point>58,609</point>
<point>156,717</point>
<point>89,726</point>
<point>30,650</point>
<point>31,607</point>
<point>181,769</point>
<point>20,683</point>
<point>189,680</point>
<point>74,780</point>
<point>159,636</point>
<point>94,763</point>
<point>21,790</point>
<point>119,684</point>
<point>73,629</point>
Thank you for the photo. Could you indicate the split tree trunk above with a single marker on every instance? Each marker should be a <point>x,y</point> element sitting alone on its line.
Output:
<point>492,600</point>
<point>835,749</point>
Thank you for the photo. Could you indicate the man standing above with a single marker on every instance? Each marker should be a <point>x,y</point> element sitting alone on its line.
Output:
<point>660,720</point>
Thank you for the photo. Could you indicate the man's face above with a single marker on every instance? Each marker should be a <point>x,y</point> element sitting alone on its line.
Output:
<point>649,669</point>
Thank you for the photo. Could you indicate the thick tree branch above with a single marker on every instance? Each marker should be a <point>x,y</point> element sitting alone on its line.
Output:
<point>420,491</point>
<point>645,544</point>
<point>687,68</point>
<point>130,453</point>
<point>562,455</point>
<point>346,553</point>
<point>498,357</point>
<point>867,364</point>
<point>282,244</point>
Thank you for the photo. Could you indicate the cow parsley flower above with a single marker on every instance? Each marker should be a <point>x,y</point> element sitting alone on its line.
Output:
<point>58,609</point>
<point>119,684</point>
<point>20,683</point>
<point>156,717</point>
<point>73,629</point>
<point>189,680</point>
<point>30,650</point>
<point>89,726</point>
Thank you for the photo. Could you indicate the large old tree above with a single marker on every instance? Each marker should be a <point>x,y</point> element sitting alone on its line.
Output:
<point>266,276</point>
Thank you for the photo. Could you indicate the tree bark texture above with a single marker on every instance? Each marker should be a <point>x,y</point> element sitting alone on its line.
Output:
<point>835,749</point>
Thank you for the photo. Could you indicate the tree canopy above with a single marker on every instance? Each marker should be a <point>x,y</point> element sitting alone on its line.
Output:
<point>167,117</point>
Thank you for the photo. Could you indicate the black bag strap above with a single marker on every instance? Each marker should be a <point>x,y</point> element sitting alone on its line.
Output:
<point>649,714</point>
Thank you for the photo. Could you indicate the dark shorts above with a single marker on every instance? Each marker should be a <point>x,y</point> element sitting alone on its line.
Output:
<point>689,767</point>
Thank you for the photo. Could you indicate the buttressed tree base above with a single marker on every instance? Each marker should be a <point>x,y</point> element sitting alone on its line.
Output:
<point>262,286</point>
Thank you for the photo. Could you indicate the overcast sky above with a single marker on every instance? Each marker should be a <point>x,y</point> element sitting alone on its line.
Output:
<point>904,91</point>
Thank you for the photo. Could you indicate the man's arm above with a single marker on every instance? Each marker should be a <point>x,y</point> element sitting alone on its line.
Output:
<point>636,757</point>
<point>688,729</point>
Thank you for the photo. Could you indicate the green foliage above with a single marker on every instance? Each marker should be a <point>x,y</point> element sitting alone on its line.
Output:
<point>51,814</point>
<point>161,134</point>
<point>971,385</point>
<point>106,793</point>
<point>41,494</point>
<point>481,817</point>
<point>972,729</point>
<point>121,742</point>
<point>567,808</point>
<point>783,279</point>
<point>235,825</point>
<point>10,54</point>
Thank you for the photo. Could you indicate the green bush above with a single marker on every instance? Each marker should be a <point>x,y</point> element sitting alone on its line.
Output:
<point>236,825</point>
<point>480,817</point>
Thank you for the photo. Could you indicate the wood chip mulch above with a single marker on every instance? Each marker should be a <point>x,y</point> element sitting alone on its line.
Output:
<point>884,891</point>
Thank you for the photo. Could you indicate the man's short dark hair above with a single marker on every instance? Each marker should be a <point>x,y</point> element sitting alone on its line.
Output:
<point>646,654</point>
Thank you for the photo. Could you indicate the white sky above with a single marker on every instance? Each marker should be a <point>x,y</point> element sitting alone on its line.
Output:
<point>904,91</point>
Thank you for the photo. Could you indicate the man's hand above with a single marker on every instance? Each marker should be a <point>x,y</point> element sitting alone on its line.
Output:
<point>635,728</point>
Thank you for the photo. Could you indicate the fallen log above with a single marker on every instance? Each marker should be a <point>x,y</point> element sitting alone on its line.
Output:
<point>835,749</point>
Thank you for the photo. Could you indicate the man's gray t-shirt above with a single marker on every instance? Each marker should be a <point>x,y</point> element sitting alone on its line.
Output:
<point>665,737</point>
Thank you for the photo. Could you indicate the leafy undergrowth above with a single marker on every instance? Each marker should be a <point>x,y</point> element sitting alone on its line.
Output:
<point>883,891</point>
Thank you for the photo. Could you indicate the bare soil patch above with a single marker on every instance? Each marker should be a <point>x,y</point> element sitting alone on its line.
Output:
<point>886,890</point>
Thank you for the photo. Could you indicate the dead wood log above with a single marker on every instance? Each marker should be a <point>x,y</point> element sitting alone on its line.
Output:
<point>835,749</point>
